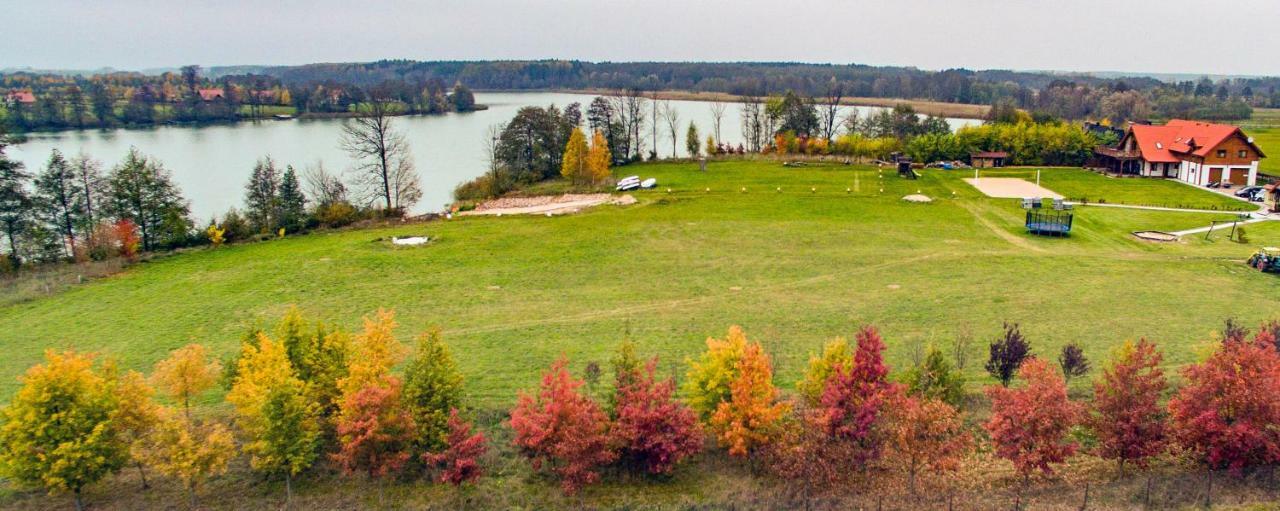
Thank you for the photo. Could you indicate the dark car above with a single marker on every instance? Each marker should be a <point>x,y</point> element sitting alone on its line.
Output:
<point>1248,191</point>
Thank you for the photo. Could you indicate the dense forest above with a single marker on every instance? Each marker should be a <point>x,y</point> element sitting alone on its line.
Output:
<point>49,101</point>
<point>42,102</point>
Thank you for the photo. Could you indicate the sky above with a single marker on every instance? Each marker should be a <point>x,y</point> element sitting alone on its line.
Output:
<point>1155,36</point>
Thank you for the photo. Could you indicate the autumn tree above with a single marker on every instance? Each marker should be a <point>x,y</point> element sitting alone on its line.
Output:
<point>288,438</point>
<point>926,433</point>
<point>142,191</point>
<point>1127,418</point>
<point>137,417</point>
<point>1072,361</point>
<point>1007,354</point>
<point>1029,424</point>
<point>654,430</point>
<point>709,377</point>
<point>805,457</point>
<point>691,140</point>
<point>187,373</point>
<point>599,158</point>
<point>1228,412</point>
<point>575,166</point>
<point>189,451</point>
<point>935,378</point>
<point>835,353</point>
<point>752,415</point>
<point>561,430</point>
<point>432,387</point>
<point>375,350</point>
<point>459,461</point>
<point>319,357</point>
<point>375,431</point>
<point>58,430</point>
<point>855,400</point>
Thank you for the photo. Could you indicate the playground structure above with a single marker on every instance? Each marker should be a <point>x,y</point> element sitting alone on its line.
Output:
<point>1048,217</point>
<point>1266,259</point>
<point>904,166</point>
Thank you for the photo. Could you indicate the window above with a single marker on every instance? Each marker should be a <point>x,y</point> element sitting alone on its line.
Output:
<point>1244,153</point>
<point>1222,153</point>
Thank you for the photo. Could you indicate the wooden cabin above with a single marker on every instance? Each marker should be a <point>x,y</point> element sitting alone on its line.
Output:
<point>988,159</point>
<point>1194,152</point>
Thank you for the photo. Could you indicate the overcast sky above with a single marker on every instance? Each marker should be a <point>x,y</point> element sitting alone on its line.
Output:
<point>1167,36</point>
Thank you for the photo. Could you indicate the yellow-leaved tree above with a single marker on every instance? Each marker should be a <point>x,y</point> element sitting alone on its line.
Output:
<point>187,372</point>
<point>375,351</point>
<point>260,368</point>
<point>58,431</point>
<point>573,166</point>
<point>598,158</point>
<point>835,353</point>
<point>137,416</point>
<point>182,447</point>
<point>711,375</point>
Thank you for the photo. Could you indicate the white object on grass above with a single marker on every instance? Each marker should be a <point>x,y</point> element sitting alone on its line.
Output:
<point>410,241</point>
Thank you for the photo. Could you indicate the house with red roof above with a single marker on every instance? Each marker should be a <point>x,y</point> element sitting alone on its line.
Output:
<point>20,96</point>
<point>1195,152</point>
<point>210,94</point>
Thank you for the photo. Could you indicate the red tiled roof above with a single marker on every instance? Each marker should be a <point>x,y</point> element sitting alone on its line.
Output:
<point>210,94</point>
<point>22,96</point>
<point>1163,144</point>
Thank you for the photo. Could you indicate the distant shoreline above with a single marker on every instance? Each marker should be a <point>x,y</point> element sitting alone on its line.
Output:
<point>935,108</point>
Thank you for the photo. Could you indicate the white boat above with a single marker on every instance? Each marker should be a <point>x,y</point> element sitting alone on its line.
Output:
<point>628,183</point>
<point>649,183</point>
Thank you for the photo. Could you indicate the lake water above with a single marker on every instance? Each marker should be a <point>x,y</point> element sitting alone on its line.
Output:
<point>212,163</point>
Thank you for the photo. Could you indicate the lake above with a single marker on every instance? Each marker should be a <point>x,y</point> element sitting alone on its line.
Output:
<point>212,163</point>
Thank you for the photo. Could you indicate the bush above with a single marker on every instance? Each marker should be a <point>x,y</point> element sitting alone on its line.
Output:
<point>336,214</point>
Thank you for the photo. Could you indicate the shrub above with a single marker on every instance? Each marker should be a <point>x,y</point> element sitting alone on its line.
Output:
<point>654,430</point>
<point>1127,418</point>
<point>710,376</point>
<point>936,379</point>
<point>562,431</point>
<point>1073,361</point>
<point>1007,354</point>
<point>1030,424</point>
<point>835,353</point>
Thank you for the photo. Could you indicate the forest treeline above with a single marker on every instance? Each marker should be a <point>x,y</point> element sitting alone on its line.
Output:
<point>47,102</point>
<point>130,98</point>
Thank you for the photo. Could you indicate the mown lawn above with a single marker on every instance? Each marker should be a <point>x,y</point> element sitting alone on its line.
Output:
<point>794,266</point>
<point>1095,187</point>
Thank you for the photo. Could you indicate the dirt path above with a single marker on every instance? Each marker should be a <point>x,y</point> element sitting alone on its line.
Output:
<point>547,204</point>
<point>995,229</point>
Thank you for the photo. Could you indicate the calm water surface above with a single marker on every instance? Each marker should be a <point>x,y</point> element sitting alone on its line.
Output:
<point>212,163</point>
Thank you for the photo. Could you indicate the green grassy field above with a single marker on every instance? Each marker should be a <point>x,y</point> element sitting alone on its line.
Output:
<point>794,267</point>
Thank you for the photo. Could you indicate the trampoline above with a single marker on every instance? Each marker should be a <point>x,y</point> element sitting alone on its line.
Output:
<point>1049,222</point>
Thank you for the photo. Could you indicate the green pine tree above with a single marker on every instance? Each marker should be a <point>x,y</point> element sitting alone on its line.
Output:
<point>432,387</point>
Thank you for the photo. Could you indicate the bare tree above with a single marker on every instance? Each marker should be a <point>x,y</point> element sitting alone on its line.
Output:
<point>654,121</point>
<point>491,138</point>
<point>672,119</point>
<point>384,166</point>
<point>829,114</point>
<point>322,186</point>
<point>753,122</point>
<point>629,106</point>
<point>717,115</point>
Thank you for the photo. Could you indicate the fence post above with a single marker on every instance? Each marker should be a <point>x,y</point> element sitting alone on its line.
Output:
<point>1085,505</point>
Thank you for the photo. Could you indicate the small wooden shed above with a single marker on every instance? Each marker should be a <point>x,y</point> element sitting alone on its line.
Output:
<point>988,159</point>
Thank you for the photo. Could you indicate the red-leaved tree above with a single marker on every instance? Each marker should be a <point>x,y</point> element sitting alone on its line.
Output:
<point>375,432</point>
<point>853,402</point>
<point>1029,423</point>
<point>1127,417</point>
<point>563,431</point>
<point>460,461</point>
<point>1229,411</point>
<point>654,430</point>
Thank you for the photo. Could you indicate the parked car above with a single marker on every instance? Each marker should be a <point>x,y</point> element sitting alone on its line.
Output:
<point>1258,196</point>
<point>1248,191</point>
<point>1215,184</point>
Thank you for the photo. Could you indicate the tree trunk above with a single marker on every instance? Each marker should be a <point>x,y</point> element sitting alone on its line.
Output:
<point>79,500</point>
<point>1085,505</point>
<point>142,472</point>
<point>288,489</point>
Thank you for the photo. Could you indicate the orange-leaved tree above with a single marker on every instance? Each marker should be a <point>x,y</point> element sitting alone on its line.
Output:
<point>375,431</point>
<point>926,433</point>
<point>1127,417</point>
<point>1228,413</point>
<point>752,416</point>
<point>375,351</point>
<point>562,430</point>
<point>1030,423</point>
<point>710,376</point>
<point>655,430</point>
